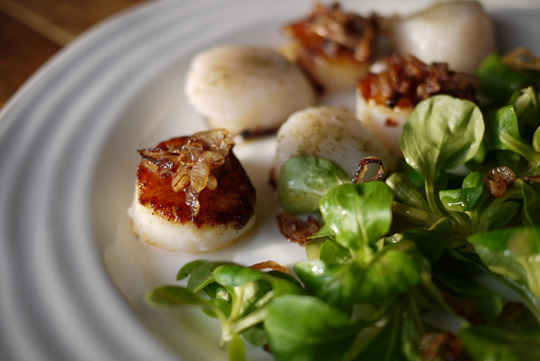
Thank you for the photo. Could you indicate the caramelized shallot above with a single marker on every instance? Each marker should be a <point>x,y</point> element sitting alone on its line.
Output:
<point>403,81</point>
<point>296,230</point>
<point>273,265</point>
<point>362,167</point>
<point>521,59</point>
<point>498,180</point>
<point>194,166</point>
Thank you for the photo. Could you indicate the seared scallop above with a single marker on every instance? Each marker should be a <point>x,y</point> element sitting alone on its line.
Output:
<point>331,133</point>
<point>459,33</point>
<point>333,46</point>
<point>386,97</point>
<point>192,194</point>
<point>247,88</point>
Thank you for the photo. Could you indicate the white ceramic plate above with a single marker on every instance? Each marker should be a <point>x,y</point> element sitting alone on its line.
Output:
<point>72,275</point>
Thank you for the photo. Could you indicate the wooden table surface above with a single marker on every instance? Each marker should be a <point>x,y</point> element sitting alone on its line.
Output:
<point>31,31</point>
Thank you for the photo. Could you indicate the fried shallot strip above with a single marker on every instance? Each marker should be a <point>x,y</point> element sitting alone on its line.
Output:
<point>498,180</point>
<point>194,166</point>
<point>273,265</point>
<point>362,167</point>
<point>296,230</point>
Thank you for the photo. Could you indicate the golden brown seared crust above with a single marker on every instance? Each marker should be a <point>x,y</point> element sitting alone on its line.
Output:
<point>406,81</point>
<point>231,203</point>
<point>330,32</point>
<point>328,36</point>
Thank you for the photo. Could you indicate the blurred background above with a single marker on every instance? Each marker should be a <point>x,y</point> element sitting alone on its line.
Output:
<point>32,31</point>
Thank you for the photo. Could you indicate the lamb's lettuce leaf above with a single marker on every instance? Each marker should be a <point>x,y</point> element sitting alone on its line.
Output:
<point>442,133</point>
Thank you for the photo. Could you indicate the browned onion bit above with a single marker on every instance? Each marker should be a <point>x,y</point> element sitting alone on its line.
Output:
<point>521,59</point>
<point>273,265</point>
<point>296,230</point>
<point>158,160</point>
<point>405,81</point>
<point>442,346</point>
<point>362,167</point>
<point>195,166</point>
<point>498,180</point>
<point>333,32</point>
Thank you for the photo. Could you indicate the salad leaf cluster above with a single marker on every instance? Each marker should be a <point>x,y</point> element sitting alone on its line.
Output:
<point>393,256</point>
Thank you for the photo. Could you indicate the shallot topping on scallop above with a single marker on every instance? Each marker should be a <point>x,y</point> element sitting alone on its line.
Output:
<point>459,33</point>
<point>247,89</point>
<point>333,46</point>
<point>386,97</point>
<point>327,132</point>
<point>192,194</point>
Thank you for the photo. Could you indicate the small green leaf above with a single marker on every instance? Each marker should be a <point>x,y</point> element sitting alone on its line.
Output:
<point>313,248</point>
<point>235,276</point>
<point>316,332</point>
<point>256,335</point>
<point>460,200</point>
<point>499,81</point>
<point>304,179</point>
<point>527,109</point>
<point>324,281</point>
<point>323,232</point>
<point>394,270</point>
<point>189,267</point>
<point>405,191</point>
<point>236,349</point>
<point>473,180</point>
<point>531,204</point>
<point>486,302</point>
<point>501,343</point>
<point>359,214</point>
<point>512,253</point>
<point>333,253</point>
<point>536,140</point>
<point>502,133</point>
<point>431,243</point>
<point>169,296</point>
<point>441,133</point>
<point>202,273</point>
<point>497,214</point>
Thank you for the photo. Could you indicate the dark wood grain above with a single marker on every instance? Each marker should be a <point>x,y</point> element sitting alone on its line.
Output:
<point>31,31</point>
<point>23,52</point>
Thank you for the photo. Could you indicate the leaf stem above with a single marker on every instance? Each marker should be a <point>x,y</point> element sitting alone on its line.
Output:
<point>249,321</point>
<point>418,216</point>
<point>235,310</point>
<point>432,201</point>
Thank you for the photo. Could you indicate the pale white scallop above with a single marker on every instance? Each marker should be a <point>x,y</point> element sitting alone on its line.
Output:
<point>328,132</point>
<point>246,88</point>
<point>177,237</point>
<point>459,33</point>
<point>385,122</point>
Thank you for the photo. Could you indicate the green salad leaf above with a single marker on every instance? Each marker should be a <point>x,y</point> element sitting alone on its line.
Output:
<point>500,342</point>
<point>502,132</point>
<point>514,254</point>
<point>359,214</point>
<point>498,81</point>
<point>442,133</point>
<point>305,179</point>
<point>317,331</point>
